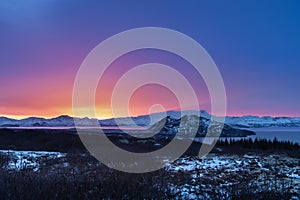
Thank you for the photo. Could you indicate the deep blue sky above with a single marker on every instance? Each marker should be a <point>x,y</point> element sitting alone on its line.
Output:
<point>255,44</point>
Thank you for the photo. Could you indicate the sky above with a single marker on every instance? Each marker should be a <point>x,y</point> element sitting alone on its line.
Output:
<point>255,44</point>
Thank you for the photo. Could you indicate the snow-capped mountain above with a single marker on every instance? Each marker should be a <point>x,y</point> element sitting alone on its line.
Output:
<point>199,125</point>
<point>4,121</point>
<point>239,122</point>
<point>256,122</point>
<point>61,121</point>
<point>149,120</point>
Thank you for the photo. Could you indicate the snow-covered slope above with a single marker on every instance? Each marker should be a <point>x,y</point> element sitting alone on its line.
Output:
<point>61,121</point>
<point>194,124</point>
<point>255,121</point>
<point>149,120</point>
<point>239,122</point>
<point>4,121</point>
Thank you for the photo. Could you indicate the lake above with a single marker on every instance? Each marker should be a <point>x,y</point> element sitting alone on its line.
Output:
<point>281,133</point>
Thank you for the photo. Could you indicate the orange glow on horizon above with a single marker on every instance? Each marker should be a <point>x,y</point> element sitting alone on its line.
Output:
<point>106,114</point>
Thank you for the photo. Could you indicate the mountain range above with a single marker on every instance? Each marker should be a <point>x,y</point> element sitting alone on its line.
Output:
<point>149,120</point>
<point>194,124</point>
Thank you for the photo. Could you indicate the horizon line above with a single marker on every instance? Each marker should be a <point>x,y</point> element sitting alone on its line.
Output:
<point>22,117</point>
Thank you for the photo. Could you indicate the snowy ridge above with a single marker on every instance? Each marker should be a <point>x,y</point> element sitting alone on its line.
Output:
<point>267,121</point>
<point>61,121</point>
<point>202,126</point>
<point>149,120</point>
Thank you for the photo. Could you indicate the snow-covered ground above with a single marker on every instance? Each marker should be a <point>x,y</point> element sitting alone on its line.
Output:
<point>19,160</point>
<point>219,172</point>
<point>202,176</point>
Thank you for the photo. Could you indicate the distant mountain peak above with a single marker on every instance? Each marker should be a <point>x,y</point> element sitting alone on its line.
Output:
<point>148,120</point>
<point>63,117</point>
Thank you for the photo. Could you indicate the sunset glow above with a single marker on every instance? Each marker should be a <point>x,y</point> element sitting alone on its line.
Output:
<point>42,47</point>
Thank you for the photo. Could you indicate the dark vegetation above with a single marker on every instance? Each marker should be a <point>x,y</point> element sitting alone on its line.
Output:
<point>68,141</point>
<point>259,146</point>
<point>243,187</point>
<point>41,140</point>
<point>85,178</point>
